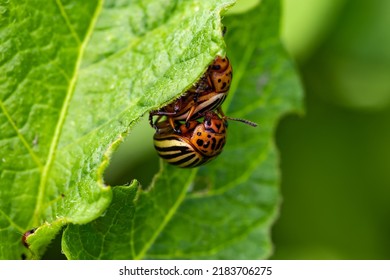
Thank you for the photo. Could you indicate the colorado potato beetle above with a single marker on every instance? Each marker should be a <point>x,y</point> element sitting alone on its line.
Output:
<point>206,95</point>
<point>196,144</point>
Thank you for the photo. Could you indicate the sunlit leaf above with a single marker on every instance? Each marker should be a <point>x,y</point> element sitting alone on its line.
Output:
<point>76,76</point>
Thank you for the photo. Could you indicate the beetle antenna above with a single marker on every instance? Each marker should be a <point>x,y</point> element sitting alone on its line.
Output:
<point>243,121</point>
<point>219,110</point>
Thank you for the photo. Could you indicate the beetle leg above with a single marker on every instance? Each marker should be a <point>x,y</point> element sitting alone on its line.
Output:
<point>190,113</point>
<point>192,110</point>
<point>173,125</point>
<point>154,125</point>
<point>151,120</point>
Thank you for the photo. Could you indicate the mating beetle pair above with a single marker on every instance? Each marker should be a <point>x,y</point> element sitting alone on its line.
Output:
<point>194,143</point>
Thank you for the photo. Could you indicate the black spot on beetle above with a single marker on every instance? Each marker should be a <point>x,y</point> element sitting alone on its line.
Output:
<point>199,133</point>
<point>220,144</point>
<point>214,142</point>
<point>199,142</point>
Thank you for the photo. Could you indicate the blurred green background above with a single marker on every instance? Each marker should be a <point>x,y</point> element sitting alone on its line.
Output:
<point>335,158</point>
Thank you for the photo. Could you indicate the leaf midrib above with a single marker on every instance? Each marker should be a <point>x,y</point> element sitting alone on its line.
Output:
<point>64,110</point>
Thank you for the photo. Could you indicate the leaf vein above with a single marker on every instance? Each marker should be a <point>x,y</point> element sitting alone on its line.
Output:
<point>67,21</point>
<point>10,221</point>
<point>20,136</point>
<point>62,117</point>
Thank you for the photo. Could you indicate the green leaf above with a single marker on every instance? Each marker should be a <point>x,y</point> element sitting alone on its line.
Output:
<point>110,232</point>
<point>76,76</point>
<point>134,215</point>
<point>225,209</point>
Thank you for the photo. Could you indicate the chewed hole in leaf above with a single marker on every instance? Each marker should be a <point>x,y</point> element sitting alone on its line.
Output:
<point>135,158</point>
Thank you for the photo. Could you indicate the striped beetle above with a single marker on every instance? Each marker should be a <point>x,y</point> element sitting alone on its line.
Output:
<point>194,143</point>
<point>206,95</point>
